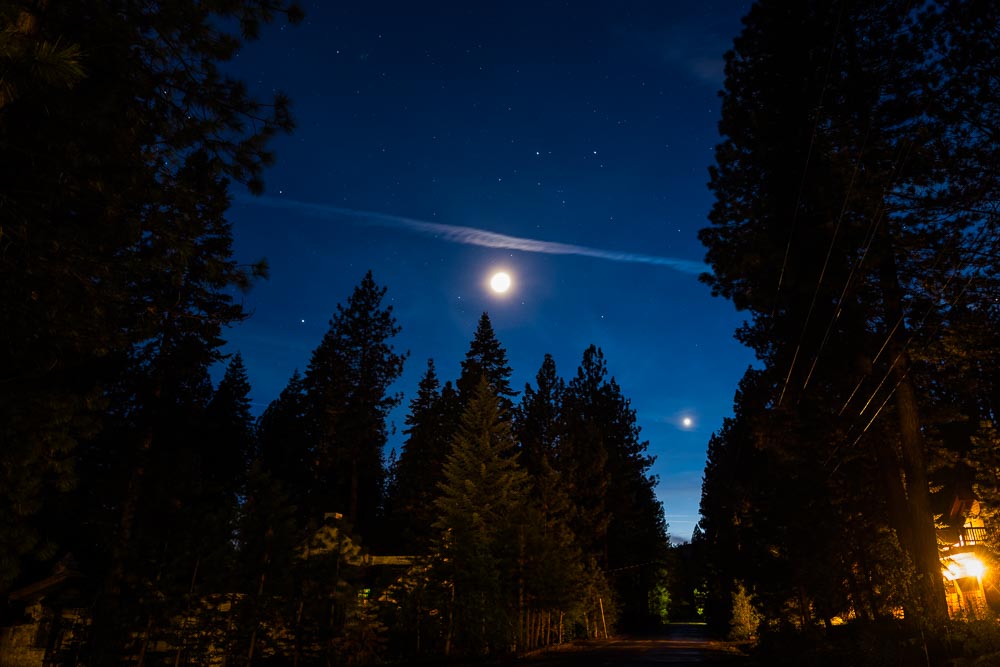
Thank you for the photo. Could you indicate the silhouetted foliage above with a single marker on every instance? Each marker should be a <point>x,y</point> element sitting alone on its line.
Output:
<point>430,427</point>
<point>202,535</point>
<point>484,495</point>
<point>617,517</point>
<point>347,400</point>
<point>486,358</point>
<point>854,222</point>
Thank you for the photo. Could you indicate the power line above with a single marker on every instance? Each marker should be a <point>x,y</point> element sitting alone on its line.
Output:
<point>809,151</point>
<point>956,270</point>
<point>950,305</point>
<point>897,168</point>
<point>826,262</point>
<point>870,233</point>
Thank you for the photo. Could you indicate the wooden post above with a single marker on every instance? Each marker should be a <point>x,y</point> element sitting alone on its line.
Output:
<point>603,622</point>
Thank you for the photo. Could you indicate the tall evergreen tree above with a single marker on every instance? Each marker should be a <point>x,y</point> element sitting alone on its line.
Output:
<point>347,403</point>
<point>537,419</point>
<point>539,426</point>
<point>848,221</point>
<point>419,470</point>
<point>265,581</point>
<point>482,501</point>
<point>777,522</point>
<point>618,517</point>
<point>583,457</point>
<point>282,446</point>
<point>554,563</point>
<point>230,431</point>
<point>486,358</point>
<point>114,268</point>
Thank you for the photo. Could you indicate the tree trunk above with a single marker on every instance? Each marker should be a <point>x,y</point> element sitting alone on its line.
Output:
<point>419,610</point>
<point>600,602</point>
<point>187,611</point>
<point>522,613</point>
<point>141,660</point>
<point>923,543</point>
<point>298,631</point>
<point>260,592</point>
<point>451,623</point>
<point>129,508</point>
<point>352,505</point>
<point>925,548</point>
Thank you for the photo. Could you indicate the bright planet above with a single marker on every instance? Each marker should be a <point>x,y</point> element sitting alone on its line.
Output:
<point>500,282</point>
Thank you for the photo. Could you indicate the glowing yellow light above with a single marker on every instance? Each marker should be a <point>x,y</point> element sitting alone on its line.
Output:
<point>962,565</point>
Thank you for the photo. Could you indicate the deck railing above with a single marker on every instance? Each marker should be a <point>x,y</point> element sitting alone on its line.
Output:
<point>968,536</point>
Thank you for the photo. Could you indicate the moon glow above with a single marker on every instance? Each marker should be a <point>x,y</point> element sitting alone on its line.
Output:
<point>500,282</point>
<point>687,422</point>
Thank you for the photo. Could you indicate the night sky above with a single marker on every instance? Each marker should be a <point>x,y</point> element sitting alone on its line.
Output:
<point>578,127</point>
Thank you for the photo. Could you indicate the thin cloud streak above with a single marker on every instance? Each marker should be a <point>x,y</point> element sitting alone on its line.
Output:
<point>473,236</point>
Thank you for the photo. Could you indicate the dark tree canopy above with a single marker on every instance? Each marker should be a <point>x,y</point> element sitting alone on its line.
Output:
<point>606,469</point>
<point>347,402</point>
<point>480,547</point>
<point>538,418</point>
<point>119,136</point>
<point>185,531</point>
<point>850,225</point>
<point>430,427</point>
<point>282,447</point>
<point>486,358</point>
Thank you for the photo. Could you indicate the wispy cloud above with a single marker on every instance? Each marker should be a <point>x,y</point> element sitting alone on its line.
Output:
<point>474,236</point>
<point>687,46</point>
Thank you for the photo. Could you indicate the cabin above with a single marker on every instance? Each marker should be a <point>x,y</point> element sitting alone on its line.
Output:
<point>45,620</point>
<point>962,546</point>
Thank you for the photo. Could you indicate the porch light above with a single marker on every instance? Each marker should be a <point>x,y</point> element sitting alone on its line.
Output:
<point>962,565</point>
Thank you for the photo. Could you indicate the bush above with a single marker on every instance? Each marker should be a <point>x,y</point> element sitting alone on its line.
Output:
<point>745,619</point>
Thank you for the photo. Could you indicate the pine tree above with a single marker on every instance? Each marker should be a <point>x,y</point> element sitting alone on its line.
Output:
<point>264,577</point>
<point>30,62</point>
<point>113,269</point>
<point>419,469</point>
<point>777,522</point>
<point>618,518</point>
<point>347,403</point>
<point>553,561</point>
<point>486,358</point>
<point>230,431</point>
<point>538,417</point>
<point>849,222</point>
<point>282,446</point>
<point>539,426</point>
<point>482,501</point>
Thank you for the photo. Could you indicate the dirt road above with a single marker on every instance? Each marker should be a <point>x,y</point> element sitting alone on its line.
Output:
<point>681,645</point>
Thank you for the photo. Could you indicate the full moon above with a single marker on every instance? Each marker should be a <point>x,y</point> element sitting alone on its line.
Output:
<point>687,422</point>
<point>500,282</point>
